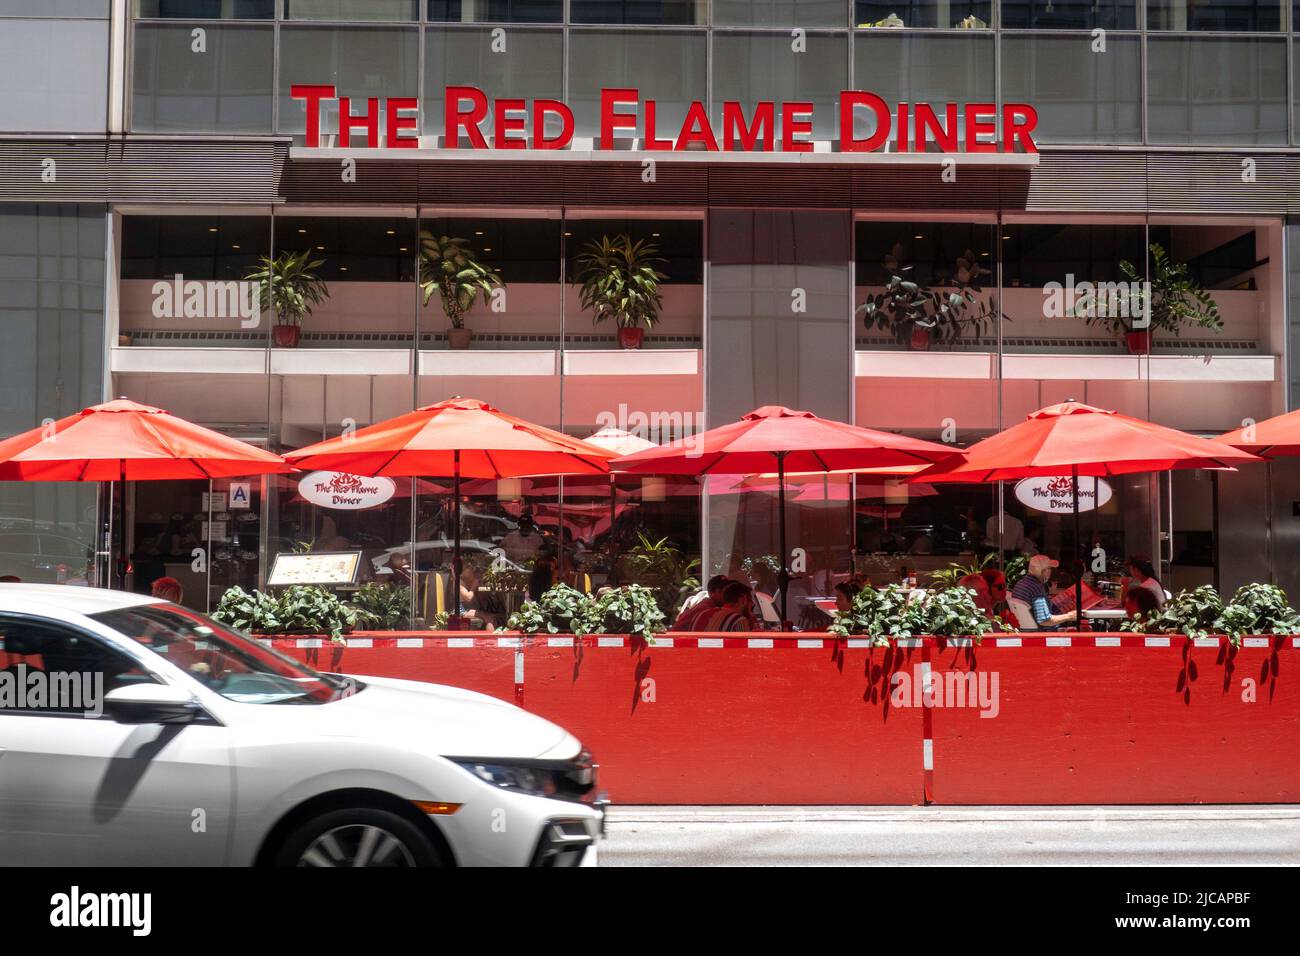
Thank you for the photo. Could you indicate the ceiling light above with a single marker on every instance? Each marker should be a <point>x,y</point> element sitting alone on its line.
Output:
<point>302,232</point>
<point>212,228</point>
<point>235,246</point>
<point>478,232</point>
<point>392,232</point>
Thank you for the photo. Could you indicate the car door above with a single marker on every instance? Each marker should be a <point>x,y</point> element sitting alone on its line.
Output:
<point>80,788</point>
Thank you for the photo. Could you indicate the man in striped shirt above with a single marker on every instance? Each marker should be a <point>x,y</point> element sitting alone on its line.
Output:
<point>1032,589</point>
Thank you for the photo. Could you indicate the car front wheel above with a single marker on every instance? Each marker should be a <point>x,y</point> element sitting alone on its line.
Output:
<point>358,837</point>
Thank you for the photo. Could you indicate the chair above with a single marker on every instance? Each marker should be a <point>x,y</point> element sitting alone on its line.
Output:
<point>1024,614</point>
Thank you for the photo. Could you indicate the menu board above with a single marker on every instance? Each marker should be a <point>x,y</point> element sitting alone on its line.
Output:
<point>315,567</point>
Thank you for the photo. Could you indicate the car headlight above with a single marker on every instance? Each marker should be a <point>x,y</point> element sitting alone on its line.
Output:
<point>521,778</point>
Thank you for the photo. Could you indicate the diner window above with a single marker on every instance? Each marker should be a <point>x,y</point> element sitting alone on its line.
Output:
<point>750,68</point>
<point>204,306</point>
<point>662,65</point>
<point>1237,16</point>
<point>352,10</point>
<point>1216,90</point>
<point>1068,14</point>
<point>779,13</point>
<point>205,9</point>
<point>944,14</point>
<point>517,309</point>
<point>1082,95</point>
<point>496,11</point>
<point>534,69</point>
<point>678,254</point>
<point>360,62</point>
<point>226,85</point>
<point>668,12</point>
<point>918,68</point>
<point>54,75</point>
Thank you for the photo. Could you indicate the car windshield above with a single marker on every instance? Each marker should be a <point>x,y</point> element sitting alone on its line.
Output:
<point>234,666</point>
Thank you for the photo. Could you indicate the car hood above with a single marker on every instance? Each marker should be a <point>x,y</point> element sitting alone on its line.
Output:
<point>449,721</point>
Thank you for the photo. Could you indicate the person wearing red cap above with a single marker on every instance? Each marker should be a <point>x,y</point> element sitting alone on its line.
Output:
<point>1032,589</point>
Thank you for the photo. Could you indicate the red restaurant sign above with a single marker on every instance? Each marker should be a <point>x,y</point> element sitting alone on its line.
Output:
<point>517,124</point>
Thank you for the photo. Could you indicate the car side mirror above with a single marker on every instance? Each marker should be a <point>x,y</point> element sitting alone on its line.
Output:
<point>150,704</point>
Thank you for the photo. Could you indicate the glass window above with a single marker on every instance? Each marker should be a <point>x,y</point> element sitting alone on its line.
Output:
<point>1221,15</point>
<point>205,9</point>
<point>360,62</point>
<point>532,68</point>
<point>1082,96</point>
<point>54,74</point>
<point>198,247</point>
<point>1069,14</point>
<point>779,13</point>
<point>1216,90</point>
<point>915,68</point>
<point>497,11</point>
<point>948,15</point>
<point>51,650</point>
<point>754,68</point>
<point>1035,254</point>
<point>352,9</point>
<point>225,87</point>
<point>638,11</point>
<point>667,67</point>
<point>55,8</point>
<point>369,249</point>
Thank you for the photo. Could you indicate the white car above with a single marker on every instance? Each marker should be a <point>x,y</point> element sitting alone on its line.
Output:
<point>134,731</point>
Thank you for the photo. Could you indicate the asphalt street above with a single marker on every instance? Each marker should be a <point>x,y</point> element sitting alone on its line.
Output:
<point>925,836</point>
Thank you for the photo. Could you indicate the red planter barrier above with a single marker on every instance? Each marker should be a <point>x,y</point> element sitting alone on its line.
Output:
<point>1072,718</point>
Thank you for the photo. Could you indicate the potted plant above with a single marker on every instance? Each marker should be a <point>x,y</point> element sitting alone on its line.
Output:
<point>661,566</point>
<point>449,267</point>
<point>1176,298</point>
<point>382,607</point>
<point>289,285</point>
<point>917,315</point>
<point>620,282</point>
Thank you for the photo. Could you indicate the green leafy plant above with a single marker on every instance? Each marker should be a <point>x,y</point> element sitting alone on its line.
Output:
<point>630,609</point>
<point>1016,568</point>
<point>662,566</point>
<point>951,612</point>
<point>1195,613</point>
<point>382,607</point>
<point>876,613</point>
<point>619,281</point>
<point>560,610</point>
<point>1176,299</point>
<point>503,578</point>
<point>907,306</point>
<point>763,562</point>
<point>289,285</point>
<point>247,611</point>
<point>450,268</point>
<point>313,609</point>
<point>1258,609</point>
<point>954,572</point>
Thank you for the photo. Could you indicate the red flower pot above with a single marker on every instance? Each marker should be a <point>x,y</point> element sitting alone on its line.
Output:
<point>1139,343</point>
<point>631,338</point>
<point>286,336</point>
<point>919,341</point>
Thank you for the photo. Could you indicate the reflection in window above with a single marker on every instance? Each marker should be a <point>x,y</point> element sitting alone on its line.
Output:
<point>1081,96</point>
<point>947,14</point>
<point>1216,90</point>
<point>53,74</point>
<point>463,56</point>
<point>352,9</point>
<point>360,62</point>
<point>1069,14</point>
<point>205,9</point>
<point>497,11</point>
<point>779,13</point>
<point>227,88</point>
<point>1222,15</point>
<point>753,68</point>
<point>637,11</point>
<point>668,67</point>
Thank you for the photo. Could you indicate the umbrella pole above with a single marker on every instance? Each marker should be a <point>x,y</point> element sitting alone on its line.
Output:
<point>455,551</point>
<point>613,515</point>
<point>1078,559</point>
<point>119,566</point>
<point>785,576</point>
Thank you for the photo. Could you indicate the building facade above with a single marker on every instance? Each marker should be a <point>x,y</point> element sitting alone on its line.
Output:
<point>153,153</point>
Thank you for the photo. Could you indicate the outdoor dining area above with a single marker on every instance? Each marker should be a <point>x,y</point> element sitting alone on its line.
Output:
<point>531,582</point>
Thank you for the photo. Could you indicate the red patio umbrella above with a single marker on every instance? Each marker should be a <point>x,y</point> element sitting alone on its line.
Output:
<point>122,441</point>
<point>1277,437</point>
<point>1076,439</point>
<point>795,441</point>
<point>461,438</point>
